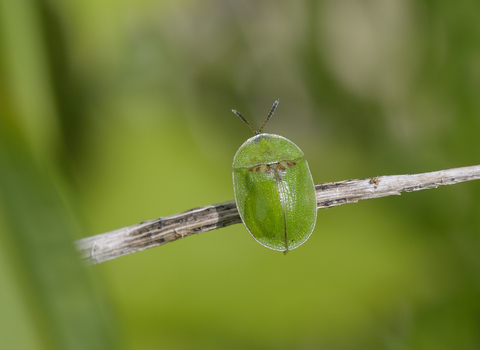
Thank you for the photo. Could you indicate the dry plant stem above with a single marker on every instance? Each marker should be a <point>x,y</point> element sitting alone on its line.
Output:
<point>149,234</point>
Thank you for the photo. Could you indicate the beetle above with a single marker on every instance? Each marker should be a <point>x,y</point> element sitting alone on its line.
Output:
<point>274,189</point>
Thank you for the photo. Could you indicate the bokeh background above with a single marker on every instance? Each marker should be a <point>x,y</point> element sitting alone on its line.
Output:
<point>115,112</point>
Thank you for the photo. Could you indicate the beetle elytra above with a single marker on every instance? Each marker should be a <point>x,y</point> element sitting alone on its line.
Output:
<point>274,189</point>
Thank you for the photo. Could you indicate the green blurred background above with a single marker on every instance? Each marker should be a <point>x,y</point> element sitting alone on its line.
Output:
<point>114,112</point>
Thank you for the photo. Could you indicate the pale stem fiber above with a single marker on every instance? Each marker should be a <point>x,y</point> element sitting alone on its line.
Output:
<point>149,234</point>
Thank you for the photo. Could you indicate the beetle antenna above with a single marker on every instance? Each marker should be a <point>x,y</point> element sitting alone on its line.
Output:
<point>275,104</point>
<point>245,121</point>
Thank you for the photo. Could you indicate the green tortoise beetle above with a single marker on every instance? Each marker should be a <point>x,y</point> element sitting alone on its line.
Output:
<point>274,189</point>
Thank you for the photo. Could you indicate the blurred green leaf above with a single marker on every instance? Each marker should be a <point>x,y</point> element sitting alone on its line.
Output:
<point>59,292</point>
